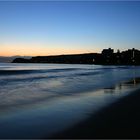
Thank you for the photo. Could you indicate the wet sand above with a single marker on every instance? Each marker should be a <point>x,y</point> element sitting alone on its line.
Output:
<point>119,120</point>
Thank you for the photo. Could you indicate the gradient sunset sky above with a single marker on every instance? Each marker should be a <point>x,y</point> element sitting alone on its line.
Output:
<point>65,27</point>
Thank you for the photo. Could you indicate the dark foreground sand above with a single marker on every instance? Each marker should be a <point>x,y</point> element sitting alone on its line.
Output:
<point>119,120</point>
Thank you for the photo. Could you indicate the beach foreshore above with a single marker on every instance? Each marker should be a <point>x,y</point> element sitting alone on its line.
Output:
<point>120,119</point>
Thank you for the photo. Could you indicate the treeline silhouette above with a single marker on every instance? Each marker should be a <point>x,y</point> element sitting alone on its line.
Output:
<point>106,57</point>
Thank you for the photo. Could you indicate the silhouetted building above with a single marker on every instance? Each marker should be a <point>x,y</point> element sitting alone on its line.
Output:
<point>107,52</point>
<point>107,55</point>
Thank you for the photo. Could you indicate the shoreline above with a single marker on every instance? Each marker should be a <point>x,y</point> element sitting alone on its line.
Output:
<point>120,119</point>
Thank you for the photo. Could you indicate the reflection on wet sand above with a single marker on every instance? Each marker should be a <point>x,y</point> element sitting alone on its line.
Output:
<point>123,85</point>
<point>133,82</point>
<point>129,84</point>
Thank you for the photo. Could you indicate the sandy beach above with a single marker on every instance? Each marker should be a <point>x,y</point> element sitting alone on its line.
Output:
<point>119,120</point>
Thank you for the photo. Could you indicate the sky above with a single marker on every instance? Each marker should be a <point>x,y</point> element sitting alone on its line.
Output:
<point>38,28</point>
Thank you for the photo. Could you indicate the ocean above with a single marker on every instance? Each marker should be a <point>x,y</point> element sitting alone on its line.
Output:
<point>39,100</point>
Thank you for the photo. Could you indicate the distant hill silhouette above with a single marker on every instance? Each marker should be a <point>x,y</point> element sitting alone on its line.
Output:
<point>4,59</point>
<point>107,57</point>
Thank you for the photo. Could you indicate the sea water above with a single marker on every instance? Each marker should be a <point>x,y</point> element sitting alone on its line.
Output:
<point>39,100</point>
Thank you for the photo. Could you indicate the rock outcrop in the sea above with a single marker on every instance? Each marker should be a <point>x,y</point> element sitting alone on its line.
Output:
<point>107,57</point>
